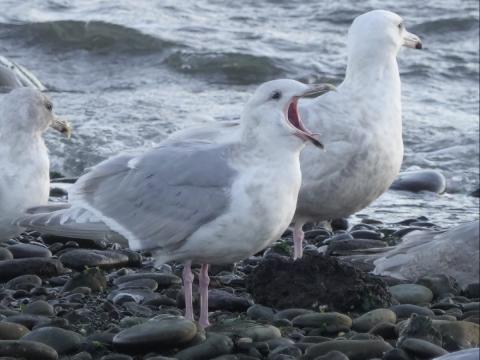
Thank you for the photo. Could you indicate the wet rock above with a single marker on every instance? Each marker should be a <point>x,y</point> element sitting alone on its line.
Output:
<point>420,180</point>
<point>163,280</point>
<point>246,329</point>
<point>366,234</point>
<point>39,307</point>
<point>472,290</point>
<point>333,355</point>
<point>222,300</point>
<point>260,312</point>
<point>28,320</point>
<point>28,350</point>
<point>24,282</point>
<point>368,320</point>
<point>386,330</point>
<point>79,259</point>
<point>215,345</point>
<point>63,341</point>
<point>467,354</point>
<point>12,331</point>
<point>5,254</point>
<point>20,251</point>
<point>329,323</point>
<point>411,294</point>
<point>46,267</point>
<point>422,349</point>
<point>289,314</point>
<point>316,280</point>
<point>138,284</point>
<point>440,285</point>
<point>353,349</point>
<point>404,311</point>
<point>155,335</point>
<point>339,224</point>
<point>92,278</point>
<point>347,247</point>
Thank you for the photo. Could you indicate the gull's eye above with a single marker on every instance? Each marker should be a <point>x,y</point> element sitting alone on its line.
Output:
<point>276,95</point>
<point>49,106</point>
<point>400,26</point>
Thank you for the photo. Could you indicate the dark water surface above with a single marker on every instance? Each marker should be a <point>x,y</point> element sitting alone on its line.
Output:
<point>127,73</point>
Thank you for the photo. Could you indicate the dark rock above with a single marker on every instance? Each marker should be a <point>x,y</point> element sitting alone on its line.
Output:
<point>63,341</point>
<point>92,278</point>
<point>472,290</point>
<point>28,350</point>
<point>348,247</point>
<point>285,352</point>
<point>329,323</point>
<point>12,331</point>
<point>366,234</point>
<point>405,310</point>
<point>420,180</point>
<point>116,356</point>
<point>368,320</point>
<point>79,259</point>
<point>339,224</point>
<point>289,314</point>
<point>422,349</point>
<point>47,267</point>
<point>39,307</point>
<point>396,354</point>
<point>215,345</point>
<point>24,282</point>
<point>411,294</point>
<point>260,312</point>
<point>28,320</point>
<point>5,254</point>
<point>386,330</point>
<point>163,280</point>
<point>138,284</point>
<point>353,349</point>
<point>246,329</point>
<point>83,243</point>
<point>440,285</point>
<point>316,280</point>
<point>155,335</point>
<point>20,251</point>
<point>222,300</point>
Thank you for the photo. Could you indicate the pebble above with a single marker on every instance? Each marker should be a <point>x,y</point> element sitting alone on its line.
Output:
<point>329,323</point>
<point>441,285</point>
<point>5,254</point>
<point>223,300</point>
<point>160,334</point>
<point>246,329</point>
<point>353,349</point>
<point>46,267</point>
<point>411,294</point>
<point>420,180</point>
<point>368,320</point>
<point>39,307</point>
<point>346,247</point>
<point>92,278</point>
<point>12,331</point>
<point>386,330</point>
<point>421,348</point>
<point>20,251</point>
<point>79,259</point>
<point>28,350</point>
<point>260,312</point>
<point>24,282</point>
<point>63,341</point>
<point>366,234</point>
<point>215,345</point>
<point>289,314</point>
<point>164,280</point>
<point>404,311</point>
<point>139,283</point>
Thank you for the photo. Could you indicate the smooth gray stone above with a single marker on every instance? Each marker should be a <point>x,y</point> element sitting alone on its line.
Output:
<point>39,307</point>
<point>25,282</point>
<point>43,267</point>
<point>246,329</point>
<point>63,341</point>
<point>21,251</point>
<point>405,310</point>
<point>5,254</point>
<point>422,348</point>
<point>79,259</point>
<point>28,350</point>
<point>12,331</point>
<point>163,280</point>
<point>215,345</point>
<point>368,320</point>
<point>420,180</point>
<point>353,349</point>
<point>411,294</point>
<point>331,322</point>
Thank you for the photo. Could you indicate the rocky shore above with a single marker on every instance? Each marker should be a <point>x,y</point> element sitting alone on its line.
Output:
<point>81,300</point>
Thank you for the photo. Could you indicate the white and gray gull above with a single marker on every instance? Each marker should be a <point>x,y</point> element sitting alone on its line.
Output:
<point>25,114</point>
<point>197,201</point>
<point>360,123</point>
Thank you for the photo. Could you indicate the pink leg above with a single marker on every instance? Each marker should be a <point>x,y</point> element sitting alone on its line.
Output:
<point>297,240</point>
<point>203,281</point>
<point>187,289</point>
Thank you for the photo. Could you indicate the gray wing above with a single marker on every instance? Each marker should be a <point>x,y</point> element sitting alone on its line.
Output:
<point>160,198</point>
<point>13,75</point>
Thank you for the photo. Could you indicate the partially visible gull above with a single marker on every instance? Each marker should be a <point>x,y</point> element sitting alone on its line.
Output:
<point>25,114</point>
<point>360,123</point>
<point>196,201</point>
<point>13,75</point>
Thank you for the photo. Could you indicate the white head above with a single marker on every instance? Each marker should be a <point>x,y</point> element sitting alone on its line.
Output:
<point>379,32</point>
<point>272,111</point>
<point>29,111</point>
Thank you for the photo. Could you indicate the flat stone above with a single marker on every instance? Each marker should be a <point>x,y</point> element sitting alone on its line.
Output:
<point>330,323</point>
<point>411,294</point>
<point>43,267</point>
<point>155,335</point>
<point>79,259</point>
<point>246,329</point>
<point>353,349</point>
<point>420,180</point>
<point>223,300</point>
<point>260,312</point>
<point>440,285</point>
<point>12,331</point>
<point>289,314</point>
<point>215,345</point>
<point>20,251</point>
<point>28,320</point>
<point>63,341</point>
<point>28,350</point>
<point>368,320</point>
<point>164,280</point>
<point>139,283</point>
<point>25,282</point>
<point>39,307</point>
<point>422,348</point>
<point>405,310</point>
<point>347,247</point>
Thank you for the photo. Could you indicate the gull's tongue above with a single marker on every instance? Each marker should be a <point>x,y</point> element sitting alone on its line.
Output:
<point>302,132</point>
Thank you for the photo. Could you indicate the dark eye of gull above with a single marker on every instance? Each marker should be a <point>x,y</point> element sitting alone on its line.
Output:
<point>276,95</point>
<point>400,26</point>
<point>49,106</point>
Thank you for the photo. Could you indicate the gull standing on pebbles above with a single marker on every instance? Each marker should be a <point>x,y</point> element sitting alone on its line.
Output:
<point>361,123</point>
<point>199,202</point>
<point>25,114</point>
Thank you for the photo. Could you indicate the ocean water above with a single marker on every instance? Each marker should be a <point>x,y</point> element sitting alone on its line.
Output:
<point>128,73</point>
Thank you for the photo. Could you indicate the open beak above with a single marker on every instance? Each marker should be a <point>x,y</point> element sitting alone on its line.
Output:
<point>412,41</point>
<point>62,126</point>
<point>293,115</point>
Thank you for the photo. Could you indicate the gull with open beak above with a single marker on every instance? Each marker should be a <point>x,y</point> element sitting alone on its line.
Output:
<point>196,201</point>
<point>25,114</point>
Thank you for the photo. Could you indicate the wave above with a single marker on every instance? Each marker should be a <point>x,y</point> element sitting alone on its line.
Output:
<point>446,25</point>
<point>231,68</point>
<point>96,36</point>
